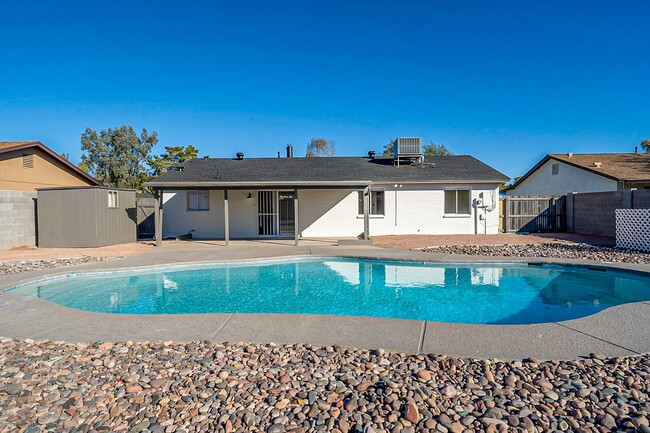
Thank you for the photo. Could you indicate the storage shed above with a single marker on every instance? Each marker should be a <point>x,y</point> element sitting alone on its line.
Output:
<point>76,217</point>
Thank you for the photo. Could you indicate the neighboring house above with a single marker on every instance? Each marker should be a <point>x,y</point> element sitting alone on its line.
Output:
<point>28,165</point>
<point>558,174</point>
<point>324,197</point>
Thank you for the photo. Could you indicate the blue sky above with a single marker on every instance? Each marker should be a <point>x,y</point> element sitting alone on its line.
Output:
<point>504,81</point>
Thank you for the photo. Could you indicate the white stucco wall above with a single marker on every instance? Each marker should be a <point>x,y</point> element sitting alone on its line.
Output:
<point>409,209</point>
<point>568,179</point>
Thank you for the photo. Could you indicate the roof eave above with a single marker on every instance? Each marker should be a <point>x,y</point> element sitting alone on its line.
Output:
<point>339,184</point>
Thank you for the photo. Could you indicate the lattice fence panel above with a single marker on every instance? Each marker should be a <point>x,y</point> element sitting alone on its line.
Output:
<point>633,229</point>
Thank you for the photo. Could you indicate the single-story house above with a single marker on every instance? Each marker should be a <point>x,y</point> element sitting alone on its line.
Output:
<point>558,174</point>
<point>28,165</point>
<point>338,197</point>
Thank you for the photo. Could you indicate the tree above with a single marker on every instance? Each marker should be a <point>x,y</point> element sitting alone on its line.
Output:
<point>319,147</point>
<point>116,157</point>
<point>645,144</point>
<point>173,156</point>
<point>508,185</point>
<point>433,149</point>
<point>388,149</point>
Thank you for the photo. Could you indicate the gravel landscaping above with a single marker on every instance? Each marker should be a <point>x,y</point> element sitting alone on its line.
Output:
<point>548,250</point>
<point>16,267</point>
<point>200,386</point>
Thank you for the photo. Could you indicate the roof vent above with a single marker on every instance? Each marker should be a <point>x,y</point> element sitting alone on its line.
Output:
<point>597,164</point>
<point>240,155</point>
<point>570,154</point>
<point>371,154</point>
<point>178,168</point>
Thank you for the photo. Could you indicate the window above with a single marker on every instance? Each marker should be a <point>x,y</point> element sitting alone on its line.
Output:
<point>555,169</point>
<point>376,202</point>
<point>28,161</point>
<point>457,201</point>
<point>112,199</point>
<point>198,200</point>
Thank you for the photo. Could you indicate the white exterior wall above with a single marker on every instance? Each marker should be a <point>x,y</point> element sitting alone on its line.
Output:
<point>409,209</point>
<point>568,179</point>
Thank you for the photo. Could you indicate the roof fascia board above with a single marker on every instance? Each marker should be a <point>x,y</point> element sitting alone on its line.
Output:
<point>168,184</point>
<point>319,184</point>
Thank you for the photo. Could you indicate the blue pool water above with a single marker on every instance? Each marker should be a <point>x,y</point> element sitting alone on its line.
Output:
<point>477,293</point>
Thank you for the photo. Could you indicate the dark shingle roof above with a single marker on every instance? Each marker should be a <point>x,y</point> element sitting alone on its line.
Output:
<point>460,168</point>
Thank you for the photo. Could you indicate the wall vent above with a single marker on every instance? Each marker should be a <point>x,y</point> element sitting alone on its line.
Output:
<point>28,161</point>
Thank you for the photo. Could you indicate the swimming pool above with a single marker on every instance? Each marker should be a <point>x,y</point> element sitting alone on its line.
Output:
<point>462,293</point>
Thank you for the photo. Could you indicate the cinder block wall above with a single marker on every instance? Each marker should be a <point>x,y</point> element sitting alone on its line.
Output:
<point>594,213</point>
<point>641,199</point>
<point>17,219</point>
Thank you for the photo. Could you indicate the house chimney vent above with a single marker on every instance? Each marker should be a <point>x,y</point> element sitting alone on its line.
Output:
<point>371,154</point>
<point>597,164</point>
<point>289,151</point>
<point>240,155</point>
<point>636,149</point>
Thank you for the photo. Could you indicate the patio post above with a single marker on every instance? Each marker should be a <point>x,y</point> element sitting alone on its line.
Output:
<point>366,212</point>
<point>296,228</point>
<point>158,215</point>
<point>226,222</point>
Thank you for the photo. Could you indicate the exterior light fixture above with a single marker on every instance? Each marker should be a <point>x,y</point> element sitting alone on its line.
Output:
<point>250,195</point>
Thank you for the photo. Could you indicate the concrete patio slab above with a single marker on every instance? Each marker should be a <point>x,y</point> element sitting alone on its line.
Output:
<point>365,332</point>
<point>624,325</point>
<point>542,341</point>
<point>616,331</point>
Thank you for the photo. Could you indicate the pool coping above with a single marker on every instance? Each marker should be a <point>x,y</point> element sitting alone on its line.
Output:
<point>616,331</point>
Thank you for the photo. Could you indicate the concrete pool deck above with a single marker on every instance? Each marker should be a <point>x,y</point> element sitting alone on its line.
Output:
<point>618,331</point>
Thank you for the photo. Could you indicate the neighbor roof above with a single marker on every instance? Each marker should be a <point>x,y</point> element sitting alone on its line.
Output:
<point>624,167</point>
<point>325,171</point>
<point>10,146</point>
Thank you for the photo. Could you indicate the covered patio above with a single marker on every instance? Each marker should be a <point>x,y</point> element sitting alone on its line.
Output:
<point>278,206</point>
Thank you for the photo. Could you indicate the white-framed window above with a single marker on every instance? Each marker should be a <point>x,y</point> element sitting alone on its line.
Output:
<point>458,202</point>
<point>198,200</point>
<point>376,202</point>
<point>555,169</point>
<point>112,199</point>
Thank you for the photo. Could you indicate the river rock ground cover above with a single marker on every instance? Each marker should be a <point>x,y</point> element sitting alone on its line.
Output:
<point>17,267</point>
<point>548,250</point>
<point>201,386</point>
